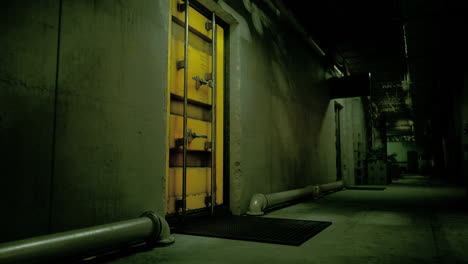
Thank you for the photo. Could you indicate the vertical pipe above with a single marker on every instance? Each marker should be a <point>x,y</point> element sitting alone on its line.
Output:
<point>213,113</point>
<point>184,165</point>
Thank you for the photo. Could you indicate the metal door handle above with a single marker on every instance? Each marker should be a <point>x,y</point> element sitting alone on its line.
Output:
<point>195,135</point>
<point>200,82</point>
<point>190,137</point>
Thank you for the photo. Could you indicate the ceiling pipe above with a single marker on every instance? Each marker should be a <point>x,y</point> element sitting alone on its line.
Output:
<point>150,228</point>
<point>293,21</point>
<point>262,202</point>
<point>284,12</point>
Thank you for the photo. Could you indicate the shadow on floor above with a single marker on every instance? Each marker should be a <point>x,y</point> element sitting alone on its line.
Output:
<point>420,180</point>
<point>111,255</point>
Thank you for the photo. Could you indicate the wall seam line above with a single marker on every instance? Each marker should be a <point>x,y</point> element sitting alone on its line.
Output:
<point>54,122</point>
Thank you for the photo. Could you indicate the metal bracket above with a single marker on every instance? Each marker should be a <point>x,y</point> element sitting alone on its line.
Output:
<point>208,201</point>
<point>178,205</point>
<point>194,135</point>
<point>179,142</point>
<point>208,145</point>
<point>180,64</point>
<point>182,7</point>
<point>208,25</point>
<point>201,82</point>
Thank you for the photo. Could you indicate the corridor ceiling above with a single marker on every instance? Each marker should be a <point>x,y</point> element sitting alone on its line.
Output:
<point>369,36</point>
<point>366,36</point>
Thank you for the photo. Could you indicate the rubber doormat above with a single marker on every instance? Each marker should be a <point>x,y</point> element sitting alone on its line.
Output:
<point>364,187</point>
<point>251,228</point>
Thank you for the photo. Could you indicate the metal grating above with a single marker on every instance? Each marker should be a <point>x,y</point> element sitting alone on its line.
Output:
<point>259,229</point>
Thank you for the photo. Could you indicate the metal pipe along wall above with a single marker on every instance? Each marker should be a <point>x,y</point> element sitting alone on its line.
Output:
<point>89,240</point>
<point>261,202</point>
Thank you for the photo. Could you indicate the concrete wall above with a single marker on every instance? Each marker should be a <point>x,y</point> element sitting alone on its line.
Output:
<point>111,112</point>
<point>282,126</point>
<point>464,128</point>
<point>109,159</point>
<point>353,140</point>
<point>401,149</point>
<point>28,54</point>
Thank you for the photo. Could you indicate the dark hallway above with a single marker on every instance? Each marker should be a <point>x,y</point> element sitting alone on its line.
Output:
<point>123,121</point>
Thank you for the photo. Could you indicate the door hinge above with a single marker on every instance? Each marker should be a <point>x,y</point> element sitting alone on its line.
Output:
<point>208,201</point>
<point>179,204</point>
<point>182,7</point>
<point>180,64</point>
<point>208,25</point>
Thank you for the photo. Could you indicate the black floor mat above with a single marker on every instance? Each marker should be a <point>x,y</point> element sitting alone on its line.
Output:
<point>259,229</point>
<point>368,188</point>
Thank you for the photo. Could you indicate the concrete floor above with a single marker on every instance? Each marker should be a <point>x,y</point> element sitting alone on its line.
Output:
<point>412,221</point>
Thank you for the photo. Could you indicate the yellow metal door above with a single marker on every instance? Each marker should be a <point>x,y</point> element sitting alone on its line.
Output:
<point>199,115</point>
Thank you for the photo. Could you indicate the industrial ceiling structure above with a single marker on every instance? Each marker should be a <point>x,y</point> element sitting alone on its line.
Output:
<point>398,41</point>
<point>361,35</point>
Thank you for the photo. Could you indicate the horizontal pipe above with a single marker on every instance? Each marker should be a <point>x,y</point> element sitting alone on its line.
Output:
<point>262,202</point>
<point>324,188</point>
<point>149,228</point>
<point>275,199</point>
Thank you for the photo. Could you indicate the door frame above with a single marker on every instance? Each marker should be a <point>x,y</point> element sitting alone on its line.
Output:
<point>196,5</point>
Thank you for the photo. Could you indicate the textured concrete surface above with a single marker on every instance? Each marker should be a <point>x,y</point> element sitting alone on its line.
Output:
<point>111,112</point>
<point>282,128</point>
<point>464,127</point>
<point>111,108</point>
<point>353,139</point>
<point>28,55</point>
<point>412,221</point>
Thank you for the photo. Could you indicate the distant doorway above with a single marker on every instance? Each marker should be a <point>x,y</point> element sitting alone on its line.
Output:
<point>339,172</point>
